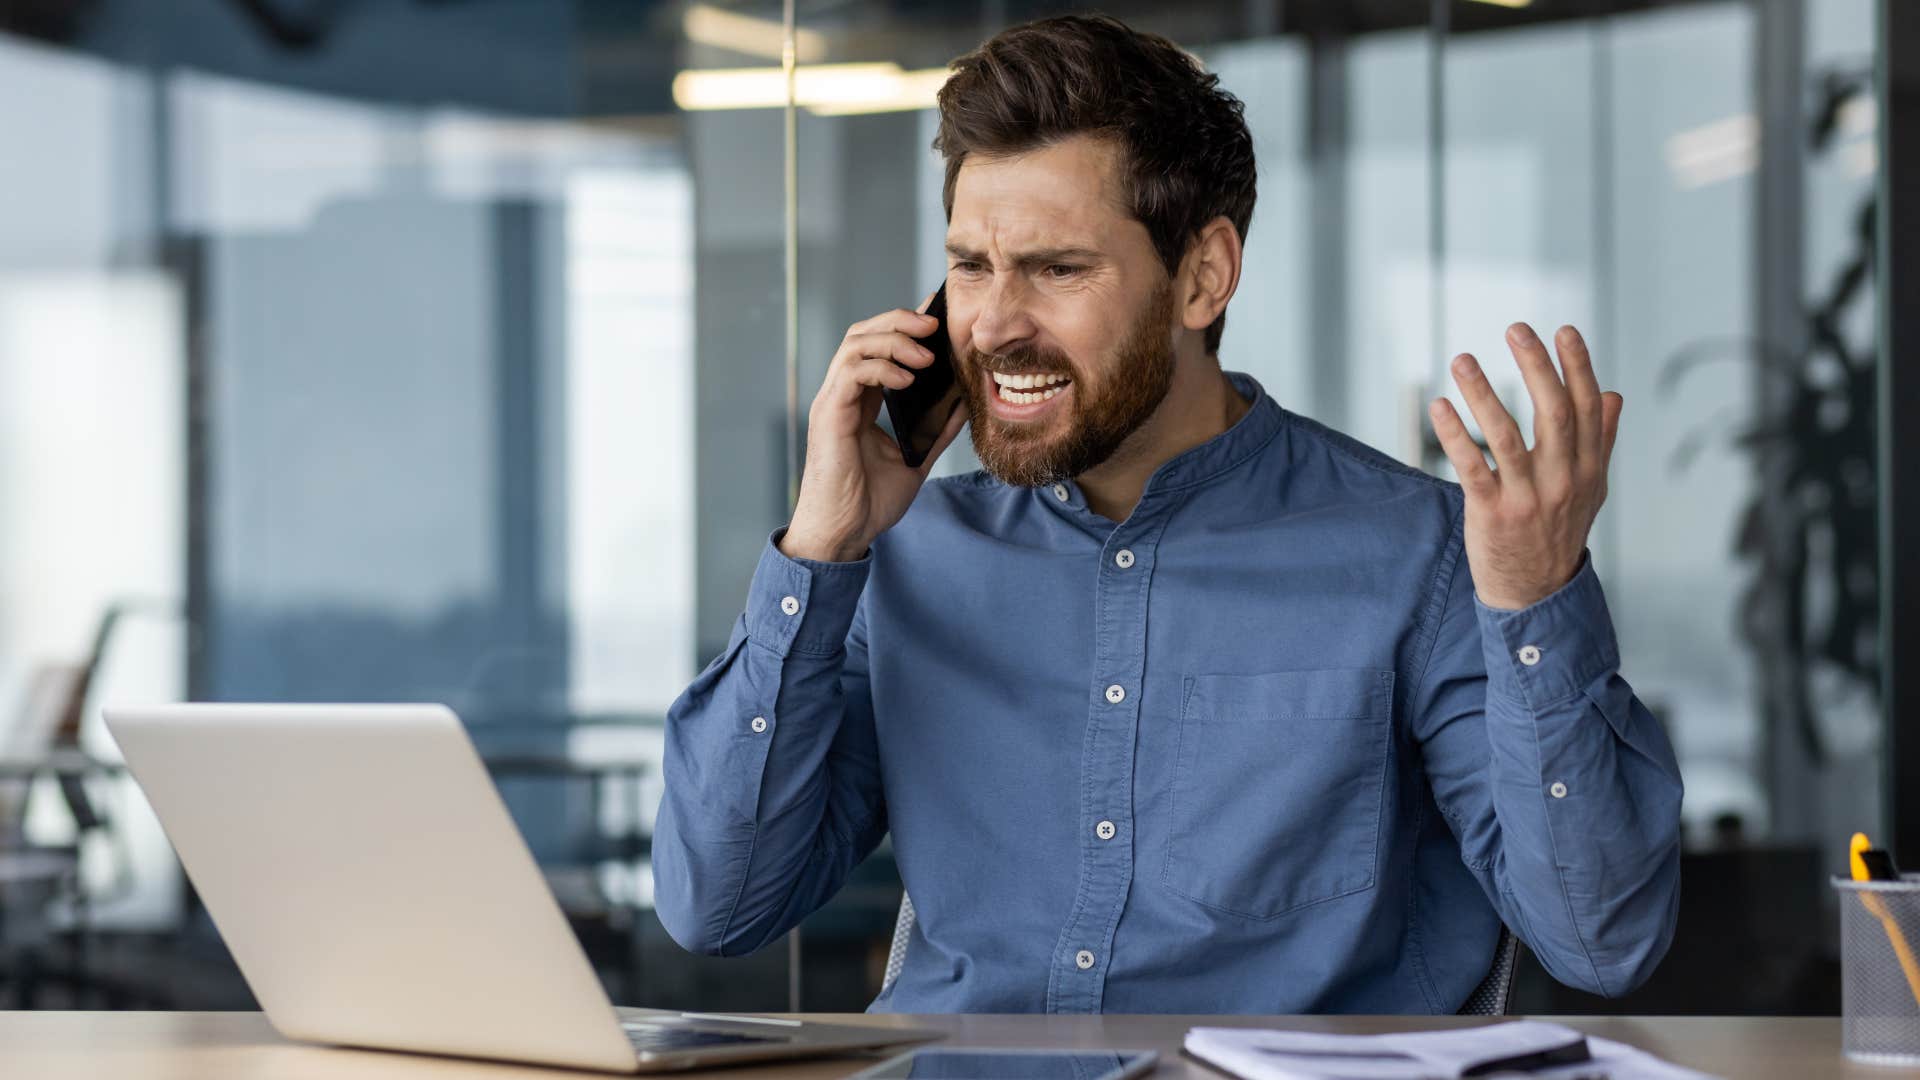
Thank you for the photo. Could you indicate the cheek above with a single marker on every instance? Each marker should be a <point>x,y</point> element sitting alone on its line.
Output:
<point>1091,356</point>
<point>1089,329</point>
<point>963,307</point>
<point>960,332</point>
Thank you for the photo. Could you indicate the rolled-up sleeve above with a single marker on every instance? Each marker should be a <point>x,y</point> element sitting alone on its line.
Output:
<point>1561,787</point>
<point>771,770</point>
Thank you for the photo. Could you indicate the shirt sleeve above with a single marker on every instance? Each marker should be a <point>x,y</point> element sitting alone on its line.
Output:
<point>771,769</point>
<point>1560,786</point>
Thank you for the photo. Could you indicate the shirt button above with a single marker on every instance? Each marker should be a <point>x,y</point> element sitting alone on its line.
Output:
<point>759,724</point>
<point>1529,655</point>
<point>1123,558</point>
<point>1116,693</point>
<point>1104,830</point>
<point>1558,790</point>
<point>790,605</point>
<point>1060,492</point>
<point>1083,959</point>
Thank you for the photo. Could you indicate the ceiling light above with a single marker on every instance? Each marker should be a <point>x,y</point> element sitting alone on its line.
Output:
<point>911,90</point>
<point>723,29</point>
<point>826,89</point>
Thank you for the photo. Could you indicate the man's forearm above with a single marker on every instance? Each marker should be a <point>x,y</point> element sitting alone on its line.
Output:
<point>1586,792</point>
<point>766,783</point>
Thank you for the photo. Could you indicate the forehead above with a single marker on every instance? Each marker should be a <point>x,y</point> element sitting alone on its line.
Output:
<point>1069,190</point>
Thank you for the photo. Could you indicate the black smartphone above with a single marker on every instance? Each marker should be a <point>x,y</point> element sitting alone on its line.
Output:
<point>919,413</point>
<point>970,1064</point>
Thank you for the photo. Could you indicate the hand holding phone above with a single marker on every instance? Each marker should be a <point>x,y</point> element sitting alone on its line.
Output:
<point>857,481</point>
<point>919,410</point>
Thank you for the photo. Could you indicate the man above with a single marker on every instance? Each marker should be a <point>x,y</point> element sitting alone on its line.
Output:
<point>1184,703</point>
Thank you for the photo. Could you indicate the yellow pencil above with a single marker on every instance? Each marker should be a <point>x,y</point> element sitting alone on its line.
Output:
<point>1879,911</point>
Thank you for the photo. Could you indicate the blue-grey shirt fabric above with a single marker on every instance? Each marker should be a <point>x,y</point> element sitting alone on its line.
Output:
<point>1258,748</point>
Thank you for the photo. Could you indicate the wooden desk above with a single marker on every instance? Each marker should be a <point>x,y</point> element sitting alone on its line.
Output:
<point>226,1046</point>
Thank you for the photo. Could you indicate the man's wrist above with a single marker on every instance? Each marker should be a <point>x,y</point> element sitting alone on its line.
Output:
<point>799,544</point>
<point>1508,603</point>
<point>1523,596</point>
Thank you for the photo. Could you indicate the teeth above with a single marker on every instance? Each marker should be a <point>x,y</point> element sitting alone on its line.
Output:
<point>1015,397</point>
<point>1022,382</point>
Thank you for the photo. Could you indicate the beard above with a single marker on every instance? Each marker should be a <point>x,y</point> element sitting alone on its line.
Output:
<point>1104,411</point>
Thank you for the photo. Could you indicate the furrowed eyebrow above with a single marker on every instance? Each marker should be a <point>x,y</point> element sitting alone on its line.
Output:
<point>1030,259</point>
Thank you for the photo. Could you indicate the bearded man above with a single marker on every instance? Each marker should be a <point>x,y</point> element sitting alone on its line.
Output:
<point>1183,703</point>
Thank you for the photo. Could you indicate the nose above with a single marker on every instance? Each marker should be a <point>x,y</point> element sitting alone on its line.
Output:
<point>1002,322</point>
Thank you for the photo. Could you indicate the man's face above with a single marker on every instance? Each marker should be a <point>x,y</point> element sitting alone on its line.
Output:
<point>1060,311</point>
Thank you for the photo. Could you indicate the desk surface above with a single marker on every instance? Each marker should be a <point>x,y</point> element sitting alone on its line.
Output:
<point>57,763</point>
<point>220,1046</point>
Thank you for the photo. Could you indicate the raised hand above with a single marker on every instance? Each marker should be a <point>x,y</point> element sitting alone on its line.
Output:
<point>1529,514</point>
<point>856,485</point>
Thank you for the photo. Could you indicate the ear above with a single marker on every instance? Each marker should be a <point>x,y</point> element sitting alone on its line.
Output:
<point>1209,274</point>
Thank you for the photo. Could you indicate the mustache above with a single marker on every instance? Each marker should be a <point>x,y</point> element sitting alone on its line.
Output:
<point>1021,362</point>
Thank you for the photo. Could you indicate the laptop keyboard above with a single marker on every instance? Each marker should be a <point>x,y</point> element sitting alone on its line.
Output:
<point>661,1037</point>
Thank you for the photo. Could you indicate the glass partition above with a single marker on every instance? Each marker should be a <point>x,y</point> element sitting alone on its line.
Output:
<point>462,353</point>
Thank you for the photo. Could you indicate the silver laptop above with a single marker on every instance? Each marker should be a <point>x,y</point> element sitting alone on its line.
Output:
<point>374,891</point>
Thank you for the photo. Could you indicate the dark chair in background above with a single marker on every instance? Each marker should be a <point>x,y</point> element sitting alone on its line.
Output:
<point>40,949</point>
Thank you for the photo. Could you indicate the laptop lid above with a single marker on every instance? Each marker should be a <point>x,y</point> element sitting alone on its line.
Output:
<point>369,881</point>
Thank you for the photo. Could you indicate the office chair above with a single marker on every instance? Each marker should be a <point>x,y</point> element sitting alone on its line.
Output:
<point>1490,998</point>
<point>53,872</point>
<point>42,873</point>
<point>1495,991</point>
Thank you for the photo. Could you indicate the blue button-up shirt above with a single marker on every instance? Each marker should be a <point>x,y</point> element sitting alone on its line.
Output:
<point>1257,748</point>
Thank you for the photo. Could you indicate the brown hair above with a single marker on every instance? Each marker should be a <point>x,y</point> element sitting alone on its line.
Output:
<point>1187,156</point>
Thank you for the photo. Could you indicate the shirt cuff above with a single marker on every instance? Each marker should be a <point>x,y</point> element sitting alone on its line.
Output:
<point>803,606</point>
<point>1554,649</point>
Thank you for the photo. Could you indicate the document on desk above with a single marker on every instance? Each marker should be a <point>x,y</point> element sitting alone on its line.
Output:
<point>1518,1048</point>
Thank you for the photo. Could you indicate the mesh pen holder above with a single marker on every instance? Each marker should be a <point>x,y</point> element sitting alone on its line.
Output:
<point>1880,969</point>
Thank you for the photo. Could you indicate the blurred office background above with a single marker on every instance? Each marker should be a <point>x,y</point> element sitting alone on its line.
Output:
<point>455,350</point>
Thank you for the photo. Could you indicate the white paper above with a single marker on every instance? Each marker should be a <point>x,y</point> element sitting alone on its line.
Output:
<point>1262,1054</point>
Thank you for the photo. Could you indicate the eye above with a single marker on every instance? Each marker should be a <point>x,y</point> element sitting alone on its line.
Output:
<point>965,266</point>
<point>1061,271</point>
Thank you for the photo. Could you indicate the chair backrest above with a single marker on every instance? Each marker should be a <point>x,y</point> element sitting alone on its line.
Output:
<point>32,733</point>
<point>1490,998</point>
<point>1495,991</point>
<point>51,720</point>
<point>897,952</point>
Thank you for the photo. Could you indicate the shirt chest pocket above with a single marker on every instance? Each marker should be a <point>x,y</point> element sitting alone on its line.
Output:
<point>1278,781</point>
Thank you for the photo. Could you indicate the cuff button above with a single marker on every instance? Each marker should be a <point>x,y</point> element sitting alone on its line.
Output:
<point>790,605</point>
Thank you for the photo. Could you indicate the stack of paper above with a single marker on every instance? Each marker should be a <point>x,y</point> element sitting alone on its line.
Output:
<point>1257,1054</point>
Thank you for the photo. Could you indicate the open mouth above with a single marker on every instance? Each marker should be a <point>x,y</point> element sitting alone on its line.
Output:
<point>1030,389</point>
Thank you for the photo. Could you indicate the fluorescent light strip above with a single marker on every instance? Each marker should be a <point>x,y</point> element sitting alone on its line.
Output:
<point>723,29</point>
<point>912,90</point>
<point>826,89</point>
